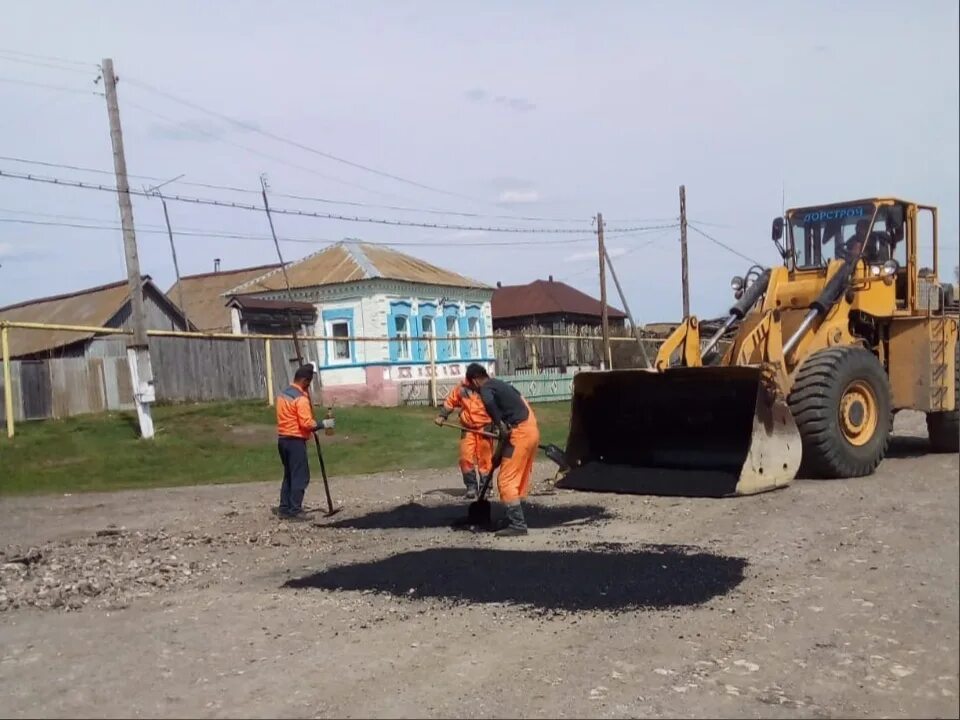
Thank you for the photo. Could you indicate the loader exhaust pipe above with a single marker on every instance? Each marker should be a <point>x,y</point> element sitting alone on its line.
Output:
<point>740,309</point>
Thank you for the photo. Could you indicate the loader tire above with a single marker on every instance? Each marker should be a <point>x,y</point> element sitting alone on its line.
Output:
<point>841,403</point>
<point>943,428</point>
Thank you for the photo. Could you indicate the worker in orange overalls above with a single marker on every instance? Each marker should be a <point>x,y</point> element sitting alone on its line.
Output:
<point>513,416</point>
<point>476,451</point>
<point>295,424</point>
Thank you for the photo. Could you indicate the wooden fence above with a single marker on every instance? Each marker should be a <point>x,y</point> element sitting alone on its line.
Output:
<point>549,386</point>
<point>202,369</point>
<point>185,370</point>
<point>571,346</point>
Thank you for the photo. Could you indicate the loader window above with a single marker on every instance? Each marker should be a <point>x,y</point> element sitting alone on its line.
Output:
<point>819,235</point>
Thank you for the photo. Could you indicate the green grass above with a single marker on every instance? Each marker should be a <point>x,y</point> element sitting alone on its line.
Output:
<point>223,443</point>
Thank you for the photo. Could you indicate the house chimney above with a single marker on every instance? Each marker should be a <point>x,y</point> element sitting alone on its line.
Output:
<point>550,278</point>
<point>216,264</point>
<point>499,284</point>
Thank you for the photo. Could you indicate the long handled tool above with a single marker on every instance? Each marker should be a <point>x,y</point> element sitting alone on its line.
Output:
<point>331,510</point>
<point>552,451</point>
<point>296,345</point>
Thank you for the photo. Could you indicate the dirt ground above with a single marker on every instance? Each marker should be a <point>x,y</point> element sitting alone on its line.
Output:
<point>825,599</point>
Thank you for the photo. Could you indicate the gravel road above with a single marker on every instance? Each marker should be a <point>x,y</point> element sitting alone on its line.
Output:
<point>825,599</point>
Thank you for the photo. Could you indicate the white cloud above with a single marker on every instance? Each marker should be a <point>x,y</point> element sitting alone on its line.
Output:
<point>519,197</point>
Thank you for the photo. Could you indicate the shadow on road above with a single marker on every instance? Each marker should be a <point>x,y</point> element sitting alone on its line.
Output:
<point>414,516</point>
<point>625,578</point>
<point>904,447</point>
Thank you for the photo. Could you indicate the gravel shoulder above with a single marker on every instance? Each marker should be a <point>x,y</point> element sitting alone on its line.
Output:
<point>826,599</point>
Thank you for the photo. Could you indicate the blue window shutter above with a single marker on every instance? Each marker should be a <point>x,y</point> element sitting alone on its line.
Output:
<point>481,343</point>
<point>464,338</point>
<point>440,330</point>
<point>416,345</point>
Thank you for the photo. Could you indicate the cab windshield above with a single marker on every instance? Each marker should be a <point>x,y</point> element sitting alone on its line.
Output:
<point>819,235</point>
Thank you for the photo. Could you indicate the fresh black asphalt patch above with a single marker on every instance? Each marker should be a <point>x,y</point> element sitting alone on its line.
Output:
<point>607,577</point>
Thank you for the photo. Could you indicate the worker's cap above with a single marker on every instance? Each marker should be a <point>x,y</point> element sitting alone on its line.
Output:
<point>305,372</point>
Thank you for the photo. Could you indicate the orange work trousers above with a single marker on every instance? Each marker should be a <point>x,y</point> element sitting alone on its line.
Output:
<point>476,451</point>
<point>513,481</point>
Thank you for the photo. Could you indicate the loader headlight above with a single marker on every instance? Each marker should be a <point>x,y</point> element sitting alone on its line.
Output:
<point>890,268</point>
<point>736,284</point>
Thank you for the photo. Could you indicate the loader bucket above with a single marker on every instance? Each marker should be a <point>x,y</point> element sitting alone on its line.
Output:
<point>701,431</point>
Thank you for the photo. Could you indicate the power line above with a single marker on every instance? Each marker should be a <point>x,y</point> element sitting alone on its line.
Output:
<point>304,213</point>
<point>259,153</point>
<point>50,58</point>
<point>659,236</point>
<point>308,198</point>
<point>47,86</point>
<point>34,63</point>
<point>724,245</point>
<point>187,232</point>
<point>301,146</point>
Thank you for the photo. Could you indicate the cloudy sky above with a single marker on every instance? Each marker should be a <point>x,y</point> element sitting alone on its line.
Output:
<point>495,110</point>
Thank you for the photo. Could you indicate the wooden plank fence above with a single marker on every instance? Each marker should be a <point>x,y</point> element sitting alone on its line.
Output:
<point>200,369</point>
<point>542,387</point>
<point>185,370</point>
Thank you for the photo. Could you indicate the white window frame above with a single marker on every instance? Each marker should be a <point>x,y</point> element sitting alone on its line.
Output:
<point>473,331</point>
<point>453,345</point>
<point>403,338</point>
<point>333,359</point>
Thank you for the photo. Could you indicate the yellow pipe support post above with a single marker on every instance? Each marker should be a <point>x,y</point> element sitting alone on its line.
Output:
<point>433,371</point>
<point>268,359</point>
<point>7,380</point>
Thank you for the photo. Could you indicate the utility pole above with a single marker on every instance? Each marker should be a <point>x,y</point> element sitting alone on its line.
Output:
<point>138,350</point>
<point>604,318</point>
<point>626,309</point>
<point>173,248</point>
<point>176,266</point>
<point>286,280</point>
<point>684,276</point>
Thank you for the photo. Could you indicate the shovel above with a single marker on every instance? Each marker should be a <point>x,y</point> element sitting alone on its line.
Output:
<point>479,512</point>
<point>553,452</point>
<point>331,510</point>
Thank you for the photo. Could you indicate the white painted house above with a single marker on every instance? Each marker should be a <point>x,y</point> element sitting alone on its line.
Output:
<point>361,290</point>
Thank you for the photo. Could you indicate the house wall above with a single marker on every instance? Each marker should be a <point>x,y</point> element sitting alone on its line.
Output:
<point>157,316</point>
<point>372,372</point>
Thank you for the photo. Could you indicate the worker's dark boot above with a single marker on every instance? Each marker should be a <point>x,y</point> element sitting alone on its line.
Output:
<point>515,524</point>
<point>470,481</point>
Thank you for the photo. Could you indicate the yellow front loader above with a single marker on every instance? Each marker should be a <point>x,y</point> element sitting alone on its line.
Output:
<point>804,376</point>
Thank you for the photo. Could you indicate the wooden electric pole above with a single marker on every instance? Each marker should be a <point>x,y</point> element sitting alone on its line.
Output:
<point>684,276</point>
<point>286,280</point>
<point>626,308</point>
<point>138,350</point>
<point>604,317</point>
<point>155,190</point>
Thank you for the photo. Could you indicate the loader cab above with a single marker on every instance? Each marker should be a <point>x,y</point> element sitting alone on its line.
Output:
<point>882,233</point>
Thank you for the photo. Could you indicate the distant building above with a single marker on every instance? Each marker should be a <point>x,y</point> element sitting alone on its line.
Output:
<point>103,306</point>
<point>550,305</point>
<point>354,289</point>
<point>203,301</point>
